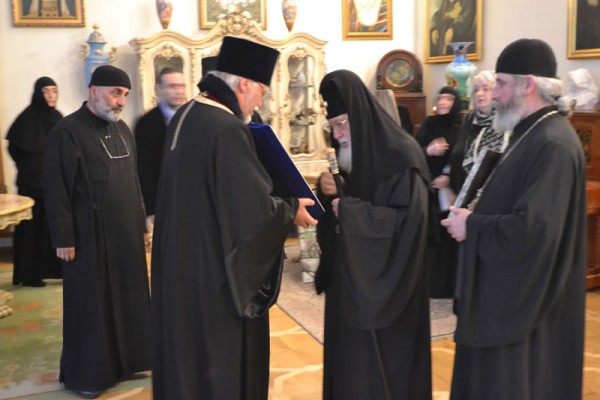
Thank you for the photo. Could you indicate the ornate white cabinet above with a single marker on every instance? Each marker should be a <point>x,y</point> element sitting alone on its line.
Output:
<point>294,110</point>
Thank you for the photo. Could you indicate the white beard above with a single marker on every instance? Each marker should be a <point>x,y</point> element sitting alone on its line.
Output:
<point>344,156</point>
<point>507,117</point>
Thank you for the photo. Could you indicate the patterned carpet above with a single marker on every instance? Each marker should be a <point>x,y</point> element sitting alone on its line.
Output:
<point>300,301</point>
<point>35,323</point>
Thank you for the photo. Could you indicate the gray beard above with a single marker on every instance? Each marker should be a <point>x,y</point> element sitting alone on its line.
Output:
<point>345,158</point>
<point>111,116</point>
<point>507,117</point>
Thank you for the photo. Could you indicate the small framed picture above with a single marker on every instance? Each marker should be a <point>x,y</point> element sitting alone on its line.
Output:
<point>211,10</point>
<point>48,13</point>
<point>449,21</point>
<point>367,20</point>
<point>583,38</point>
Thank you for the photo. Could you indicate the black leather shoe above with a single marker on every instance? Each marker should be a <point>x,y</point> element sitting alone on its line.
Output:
<point>86,394</point>
<point>137,375</point>
<point>35,283</point>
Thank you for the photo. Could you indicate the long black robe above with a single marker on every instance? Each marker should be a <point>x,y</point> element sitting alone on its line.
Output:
<point>150,132</point>
<point>522,275</point>
<point>94,204</point>
<point>441,254</point>
<point>33,256</point>
<point>373,271</point>
<point>217,253</point>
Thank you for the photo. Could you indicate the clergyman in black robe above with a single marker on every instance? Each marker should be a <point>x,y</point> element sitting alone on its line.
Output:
<point>34,258</point>
<point>217,255</point>
<point>96,221</point>
<point>520,295</point>
<point>372,244</point>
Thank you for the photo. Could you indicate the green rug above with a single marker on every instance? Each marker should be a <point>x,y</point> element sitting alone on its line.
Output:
<point>31,341</point>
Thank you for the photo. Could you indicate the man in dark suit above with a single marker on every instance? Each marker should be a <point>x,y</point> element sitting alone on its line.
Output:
<point>150,133</point>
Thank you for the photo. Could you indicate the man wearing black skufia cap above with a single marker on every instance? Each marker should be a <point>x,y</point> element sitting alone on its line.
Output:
<point>96,221</point>
<point>372,241</point>
<point>521,279</point>
<point>218,239</point>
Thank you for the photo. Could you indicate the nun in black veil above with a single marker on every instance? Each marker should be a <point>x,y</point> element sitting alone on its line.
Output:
<point>437,137</point>
<point>33,256</point>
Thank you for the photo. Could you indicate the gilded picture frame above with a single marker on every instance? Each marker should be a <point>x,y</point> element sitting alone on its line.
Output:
<point>48,13</point>
<point>367,20</point>
<point>449,21</point>
<point>211,10</point>
<point>583,29</point>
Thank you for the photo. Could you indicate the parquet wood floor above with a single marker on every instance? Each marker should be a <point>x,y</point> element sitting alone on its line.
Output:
<point>291,346</point>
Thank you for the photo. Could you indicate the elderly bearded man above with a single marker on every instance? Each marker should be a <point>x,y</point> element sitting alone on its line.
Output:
<point>520,296</point>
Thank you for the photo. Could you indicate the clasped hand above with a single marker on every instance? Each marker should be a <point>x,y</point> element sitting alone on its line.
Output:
<point>303,218</point>
<point>66,253</point>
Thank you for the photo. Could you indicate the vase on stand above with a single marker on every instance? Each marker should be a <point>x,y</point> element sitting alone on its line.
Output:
<point>459,73</point>
<point>289,10</point>
<point>164,9</point>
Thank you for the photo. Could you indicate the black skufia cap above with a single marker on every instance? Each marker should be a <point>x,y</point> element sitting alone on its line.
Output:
<point>209,64</point>
<point>248,59</point>
<point>107,75</point>
<point>527,57</point>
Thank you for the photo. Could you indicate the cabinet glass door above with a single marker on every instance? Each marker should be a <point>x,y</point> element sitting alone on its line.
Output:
<point>302,117</point>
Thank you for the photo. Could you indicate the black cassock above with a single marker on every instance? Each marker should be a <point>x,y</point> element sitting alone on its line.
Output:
<point>94,204</point>
<point>378,287</point>
<point>34,258</point>
<point>522,272</point>
<point>150,133</point>
<point>218,246</point>
<point>373,271</point>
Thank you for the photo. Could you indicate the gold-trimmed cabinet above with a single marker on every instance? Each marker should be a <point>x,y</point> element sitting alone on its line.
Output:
<point>294,108</point>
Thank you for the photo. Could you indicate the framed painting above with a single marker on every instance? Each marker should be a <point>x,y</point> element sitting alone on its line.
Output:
<point>211,10</point>
<point>367,20</point>
<point>44,13</point>
<point>448,21</point>
<point>583,32</point>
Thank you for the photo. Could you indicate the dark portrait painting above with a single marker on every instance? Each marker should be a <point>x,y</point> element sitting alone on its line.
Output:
<point>588,25</point>
<point>452,21</point>
<point>584,29</point>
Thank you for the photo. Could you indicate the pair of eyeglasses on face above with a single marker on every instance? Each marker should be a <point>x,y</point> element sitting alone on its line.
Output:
<point>266,92</point>
<point>340,124</point>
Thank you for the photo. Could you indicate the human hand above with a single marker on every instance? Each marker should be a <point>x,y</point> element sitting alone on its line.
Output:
<point>437,147</point>
<point>303,218</point>
<point>66,253</point>
<point>327,184</point>
<point>441,182</point>
<point>457,225</point>
<point>335,205</point>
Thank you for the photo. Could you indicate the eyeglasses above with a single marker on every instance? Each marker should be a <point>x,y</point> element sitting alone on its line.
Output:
<point>113,157</point>
<point>266,92</point>
<point>340,124</point>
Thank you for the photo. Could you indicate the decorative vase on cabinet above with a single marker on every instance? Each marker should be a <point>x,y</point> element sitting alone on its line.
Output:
<point>460,72</point>
<point>164,9</point>
<point>289,10</point>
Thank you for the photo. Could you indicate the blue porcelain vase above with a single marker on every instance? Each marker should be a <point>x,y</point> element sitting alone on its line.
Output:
<point>460,71</point>
<point>93,54</point>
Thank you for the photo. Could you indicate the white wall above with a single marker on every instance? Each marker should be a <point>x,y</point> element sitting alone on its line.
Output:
<point>28,53</point>
<point>504,22</point>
